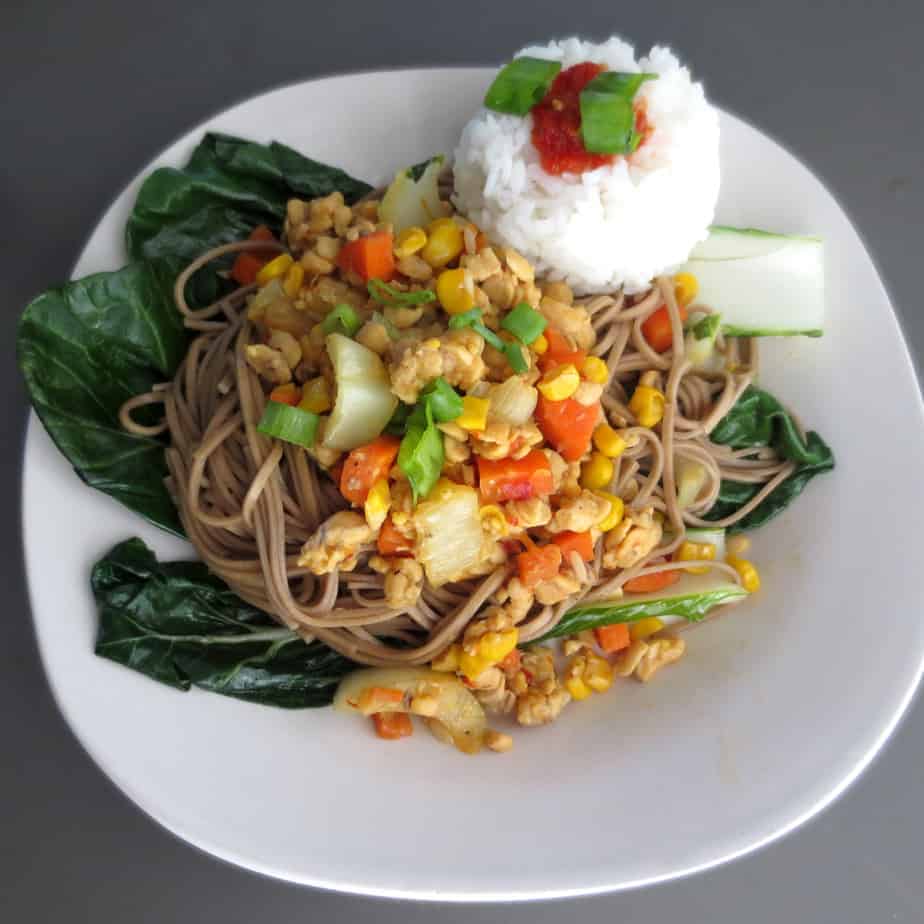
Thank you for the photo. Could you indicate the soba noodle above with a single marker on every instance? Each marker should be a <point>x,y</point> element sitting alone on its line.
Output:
<point>248,503</point>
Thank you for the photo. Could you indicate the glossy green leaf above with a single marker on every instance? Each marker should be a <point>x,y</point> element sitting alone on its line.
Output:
<point>180,625</point>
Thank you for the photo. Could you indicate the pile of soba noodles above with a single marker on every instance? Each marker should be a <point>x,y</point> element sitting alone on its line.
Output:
<point>249,503</point>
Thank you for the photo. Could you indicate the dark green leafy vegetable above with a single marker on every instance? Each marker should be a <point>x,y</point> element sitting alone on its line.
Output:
<point>180,625</point>
<point>229,186</point>
<point>385,294</point>
<point>442,399</point>
<point>524,322</point>
<point>397,424</point>
<point>520,85</point>
<point>342,319</point>
<point>607,115</point>
<point>87,347</point>
<point>416,171</point>
<point>421,454</point>
<point>758,419</point>
<point>692,606</point>
<point>289,424</point>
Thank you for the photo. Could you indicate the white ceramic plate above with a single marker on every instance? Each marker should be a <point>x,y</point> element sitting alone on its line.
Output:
<point>773,712</point>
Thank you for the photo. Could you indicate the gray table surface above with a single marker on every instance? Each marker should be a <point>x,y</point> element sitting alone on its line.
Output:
<point>92,91</point>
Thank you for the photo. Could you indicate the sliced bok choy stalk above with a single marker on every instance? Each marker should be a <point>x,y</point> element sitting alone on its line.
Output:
<point>699,347</point>
<point>688,600</point>
<point>364,401</point>
<point>690,477</point>
<point>449,530</point>
<point>408,202</point>
<point>456,708</point>
<point>762,284</point>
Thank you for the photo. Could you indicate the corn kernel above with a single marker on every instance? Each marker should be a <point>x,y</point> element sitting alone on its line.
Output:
<point>617,510</point>
<point>452,292</point>
<point>685,288</point>
<point>432,344</point>
<point>560,383</point>
<point>447,660</point>
<point>409,241</point>
<point>598,674</point>
<point>472,665</point>
<point>316,396</point>
<point>642,628</point>
<point>474,414</point>
<point>276,267</point>
<point>597,472</point>
<point>378,503</point>
<point>577,688</point>
<point>696,551</point>
<point>495,646</point>
<point>750,579</point>
<point>647,404</point>
<point>539,345</point>
<point>595,370</point>
<point>609,442</point>
<point>492,518</point>
<point>444,243</point>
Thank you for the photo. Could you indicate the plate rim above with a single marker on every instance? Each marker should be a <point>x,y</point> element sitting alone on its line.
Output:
<point>345,885</point>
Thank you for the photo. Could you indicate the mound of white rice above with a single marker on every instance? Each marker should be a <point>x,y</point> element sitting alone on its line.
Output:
<point>619,225</point>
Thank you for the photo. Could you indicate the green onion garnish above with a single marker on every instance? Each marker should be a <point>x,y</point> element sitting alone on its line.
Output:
<point>388,295</point>
<point>520,85</point>
<point>515,357</point>
<point>442,400</point>
<point>707,327</point>
<point>289,424</point>
<point>390,328</point>
<point>607,116</point>
<point>488,335</point>
<point>524,322</point>
<point>342,319</point>
<point>465,319</point>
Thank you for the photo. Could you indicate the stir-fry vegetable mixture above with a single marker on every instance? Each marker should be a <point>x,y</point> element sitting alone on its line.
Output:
<point>456,403</point>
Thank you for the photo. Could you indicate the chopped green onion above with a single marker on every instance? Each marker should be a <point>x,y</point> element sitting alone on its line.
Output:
<point>524,322</point>
<point>607,116</point>
<point>515,357</point>
<point>465,319</point>
<point>388,295</point>
<point>342,319</point>
<point>421,454</point>
<point>442,400</point>
<point>489,336</point>
<point>707,327</point>
<point>289,424</point>
<point>520,85</point>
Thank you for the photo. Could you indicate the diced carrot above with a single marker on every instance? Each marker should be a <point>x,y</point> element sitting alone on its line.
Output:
<point>540,563</point>
<point>286,394</point>
<point>391,543</point>
<point>514,479</point>
<point>569,542</point>
<point>249,262</point>
<point>245,268</point>
<point>560,352</point>
<point>365,465</point>
<point>392,725</point>
<point>370,257</point>
<point>657,328</point>
<point>568,425</point>
<point>613,638</point>
<point>652,583</point>
<point>378,699</point>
